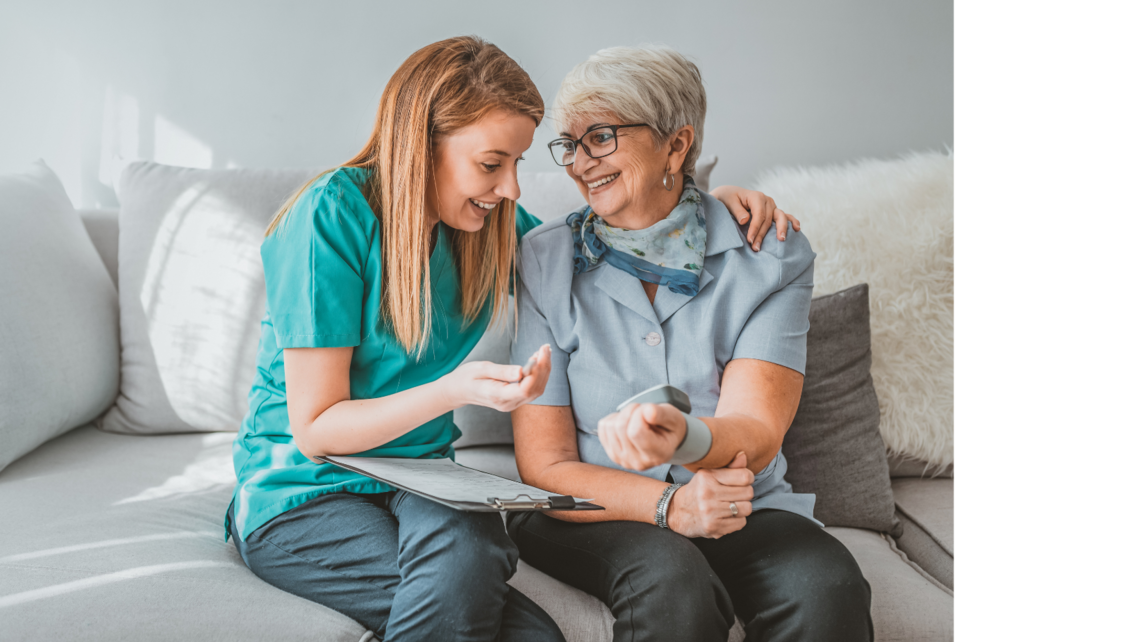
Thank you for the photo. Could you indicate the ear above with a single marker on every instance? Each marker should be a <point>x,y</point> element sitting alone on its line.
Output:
<point>678,145</point>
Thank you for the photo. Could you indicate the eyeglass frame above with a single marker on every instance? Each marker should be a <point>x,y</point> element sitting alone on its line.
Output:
<point>578,143</point>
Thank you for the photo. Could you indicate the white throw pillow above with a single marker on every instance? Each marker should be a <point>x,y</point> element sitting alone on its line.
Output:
<point>59,347</point>
<point>192,293</point>
<point>890,224</point>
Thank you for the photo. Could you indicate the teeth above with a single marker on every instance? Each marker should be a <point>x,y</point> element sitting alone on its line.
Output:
<point>485,206</point>
<point>603,181</point>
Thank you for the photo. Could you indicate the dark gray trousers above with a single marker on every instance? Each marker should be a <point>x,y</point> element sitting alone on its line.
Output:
<point>786,578</point>
<point>404,567</point>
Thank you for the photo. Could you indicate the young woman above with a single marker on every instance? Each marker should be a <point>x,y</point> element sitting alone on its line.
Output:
<point>381,276</point>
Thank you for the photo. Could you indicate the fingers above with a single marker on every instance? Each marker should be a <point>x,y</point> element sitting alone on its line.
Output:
<point>781,224</point>
<point>739,461</point>
<point>738,211</point>
<point>615,441</point>
<point>765,209</point>
<point>499,372</point>
<point>794,222</point>
<point>732,476</point>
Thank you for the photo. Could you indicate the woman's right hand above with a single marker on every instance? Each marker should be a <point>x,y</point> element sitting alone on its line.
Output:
<point>701,508</point>
<point>497,386</point>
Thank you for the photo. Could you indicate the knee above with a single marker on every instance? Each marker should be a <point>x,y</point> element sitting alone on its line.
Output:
<point>828,585</point>
<point>675,584</point>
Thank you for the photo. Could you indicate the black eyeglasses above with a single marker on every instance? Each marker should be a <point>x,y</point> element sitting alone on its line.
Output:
<point>598,142</point>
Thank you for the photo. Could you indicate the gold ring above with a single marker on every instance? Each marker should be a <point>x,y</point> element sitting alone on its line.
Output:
<point>732,507</point>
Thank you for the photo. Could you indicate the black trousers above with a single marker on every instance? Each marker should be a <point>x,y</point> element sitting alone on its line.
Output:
<point>786,578</point>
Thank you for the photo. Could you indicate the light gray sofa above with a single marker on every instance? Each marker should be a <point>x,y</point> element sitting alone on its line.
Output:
<point>119,537</point>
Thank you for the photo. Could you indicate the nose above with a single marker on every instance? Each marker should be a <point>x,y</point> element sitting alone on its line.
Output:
<point>508,187</point>
<point>582,162</point>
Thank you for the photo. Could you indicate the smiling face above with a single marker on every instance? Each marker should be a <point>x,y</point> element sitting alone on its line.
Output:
<point>476,167</point>
<point>627,188</point>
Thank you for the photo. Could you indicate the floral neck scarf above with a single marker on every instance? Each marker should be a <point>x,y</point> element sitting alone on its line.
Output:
<point>669,252</point>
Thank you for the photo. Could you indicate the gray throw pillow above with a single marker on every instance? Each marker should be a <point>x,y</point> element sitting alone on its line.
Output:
<point>833,447</point>
<point>59,349</point>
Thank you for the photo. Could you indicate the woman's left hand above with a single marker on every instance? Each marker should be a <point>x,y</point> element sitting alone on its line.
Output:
<point>642,436</point>
<point>759,208</point>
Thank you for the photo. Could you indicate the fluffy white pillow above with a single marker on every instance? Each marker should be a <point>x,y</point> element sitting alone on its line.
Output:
<point>59,326</point>
<point>890,224</point>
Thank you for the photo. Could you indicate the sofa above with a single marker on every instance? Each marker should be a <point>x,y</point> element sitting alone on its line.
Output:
<point>116,536</point>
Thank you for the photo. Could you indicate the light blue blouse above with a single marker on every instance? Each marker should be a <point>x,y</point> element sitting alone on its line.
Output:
<point>609,342</point>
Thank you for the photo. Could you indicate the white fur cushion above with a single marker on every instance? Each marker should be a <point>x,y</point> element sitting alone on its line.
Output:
<point>890,224</point>
<point>59,349</point>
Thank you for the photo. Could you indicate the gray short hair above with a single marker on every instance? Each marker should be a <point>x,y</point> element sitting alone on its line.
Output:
<point>648,84</point>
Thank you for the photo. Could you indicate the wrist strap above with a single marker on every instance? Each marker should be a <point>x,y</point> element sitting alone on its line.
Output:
<point>697,442</point>
<point>662,505</point>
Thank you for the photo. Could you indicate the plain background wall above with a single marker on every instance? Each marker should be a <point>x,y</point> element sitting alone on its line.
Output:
<point>240,83</point>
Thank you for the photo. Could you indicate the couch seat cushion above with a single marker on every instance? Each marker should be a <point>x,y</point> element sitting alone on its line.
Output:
<point>925,507</point>
<point>113,537</point>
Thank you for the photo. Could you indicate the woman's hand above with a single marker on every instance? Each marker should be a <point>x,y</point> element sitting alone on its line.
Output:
<point>502,387</point>
<point>641,436</point>
<point>744,203</point>
<point>702,507</point>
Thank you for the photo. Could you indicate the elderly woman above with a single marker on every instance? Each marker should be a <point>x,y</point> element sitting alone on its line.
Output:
<point>652,283</point>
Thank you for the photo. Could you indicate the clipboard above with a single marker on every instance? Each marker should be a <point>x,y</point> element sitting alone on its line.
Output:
<point>457,486</point>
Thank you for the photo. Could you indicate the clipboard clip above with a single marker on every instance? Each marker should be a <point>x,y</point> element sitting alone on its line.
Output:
<point>517,503</point>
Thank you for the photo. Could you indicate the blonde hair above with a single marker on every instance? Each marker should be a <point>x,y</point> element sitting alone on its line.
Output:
<point>650,84</point>
<point>438,90</point>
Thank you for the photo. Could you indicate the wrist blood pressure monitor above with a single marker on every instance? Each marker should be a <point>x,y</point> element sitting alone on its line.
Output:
<point>698,439</point>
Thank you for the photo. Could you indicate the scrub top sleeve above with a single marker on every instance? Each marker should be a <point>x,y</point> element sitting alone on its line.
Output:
<point>533,331</point>
<point>777,330</point>
<point>314,270</point>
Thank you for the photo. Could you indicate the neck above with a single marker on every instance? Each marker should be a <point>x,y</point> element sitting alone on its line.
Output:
<point>648,211</point>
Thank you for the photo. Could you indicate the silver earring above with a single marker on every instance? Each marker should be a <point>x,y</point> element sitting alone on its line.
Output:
<point>669,180</point>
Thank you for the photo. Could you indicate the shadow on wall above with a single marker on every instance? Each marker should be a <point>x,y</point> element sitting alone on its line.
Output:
<point>130,134</point>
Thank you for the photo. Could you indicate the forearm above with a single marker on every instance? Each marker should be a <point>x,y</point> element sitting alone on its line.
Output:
<point>625,496</point>
<point>758,440</point>
<point>356,425</point>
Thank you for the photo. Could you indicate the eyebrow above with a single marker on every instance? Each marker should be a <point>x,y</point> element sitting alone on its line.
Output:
<point>587,129</point>
<point>497,151</point>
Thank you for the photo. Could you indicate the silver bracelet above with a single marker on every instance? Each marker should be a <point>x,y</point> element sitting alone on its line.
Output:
<point>662,504</point>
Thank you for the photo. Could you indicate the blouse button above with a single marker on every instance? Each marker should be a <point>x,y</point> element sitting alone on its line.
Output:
<point>652,339</point>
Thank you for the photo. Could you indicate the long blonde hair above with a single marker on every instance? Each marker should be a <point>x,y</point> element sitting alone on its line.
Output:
<point>441,88</point>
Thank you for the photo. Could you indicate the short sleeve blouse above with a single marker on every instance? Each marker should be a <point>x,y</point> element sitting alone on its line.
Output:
<point>322,281</point>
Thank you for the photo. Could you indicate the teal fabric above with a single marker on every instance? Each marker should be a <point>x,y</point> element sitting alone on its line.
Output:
<point>322,280</point>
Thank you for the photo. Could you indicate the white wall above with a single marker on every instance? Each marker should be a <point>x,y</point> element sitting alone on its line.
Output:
<point>241,83</point>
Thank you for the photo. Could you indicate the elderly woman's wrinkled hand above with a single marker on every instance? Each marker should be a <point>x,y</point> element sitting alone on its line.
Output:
<point>642,436</point>
<point>703,506</point>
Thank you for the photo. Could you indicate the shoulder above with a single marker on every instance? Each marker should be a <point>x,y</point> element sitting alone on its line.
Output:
<point>547,254</point>
<point>782,260</point>
<point>339,193</point>
<point>331,210</point>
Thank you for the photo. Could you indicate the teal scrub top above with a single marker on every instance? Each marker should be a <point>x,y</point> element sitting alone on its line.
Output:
<point>322,281</point>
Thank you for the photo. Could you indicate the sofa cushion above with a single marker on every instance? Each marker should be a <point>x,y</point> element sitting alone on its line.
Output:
<point>833,447</point>
<point>905,605</point>
<point>192,293</point>
<point>59,346</point>
<point>120,537</point>
<point>109,551</point>
<point>925,507</point>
